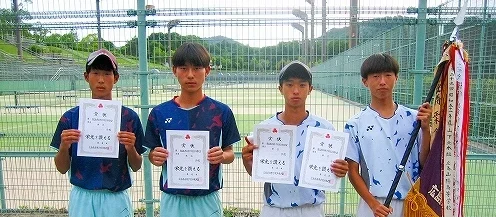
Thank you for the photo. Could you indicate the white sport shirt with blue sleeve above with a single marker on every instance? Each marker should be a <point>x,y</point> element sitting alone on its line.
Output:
<point>377,144</point>
<point>291,195</point>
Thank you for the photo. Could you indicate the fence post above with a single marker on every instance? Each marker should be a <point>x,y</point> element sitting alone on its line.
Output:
<point>420,52</point>
<point>143,81</point>
<point>342,196</point>
<point>480,69</point>
<point>2,187</point>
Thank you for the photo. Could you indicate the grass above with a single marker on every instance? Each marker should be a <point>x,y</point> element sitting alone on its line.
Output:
<point>25,143</point>
<point>28,123</point>
<point>123,60</point>
<point>33,131</point>
<point>480,188</point>
<point>27,132</point>
<point>78,56</point>
<point>11,49</point>
<point>246,122</point>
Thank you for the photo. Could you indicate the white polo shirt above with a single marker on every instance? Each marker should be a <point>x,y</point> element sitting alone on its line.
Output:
<point>291,195</point>
<point>378,144</point>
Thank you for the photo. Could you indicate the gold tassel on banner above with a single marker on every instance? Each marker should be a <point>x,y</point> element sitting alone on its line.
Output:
<point>415,204</point>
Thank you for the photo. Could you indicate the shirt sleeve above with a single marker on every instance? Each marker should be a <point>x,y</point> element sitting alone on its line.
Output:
<point>419,147</point>
<point>62,125</point>
<point>230,133</point>
<point>352,152</point>
<point>331,127</point>
<point>418,140</point>
<point>152,134</point>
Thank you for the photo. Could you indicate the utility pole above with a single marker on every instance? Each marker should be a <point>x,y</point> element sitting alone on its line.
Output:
<point>324,30</point>
<point>312,31</point>
<point>99,31</point>
<point>303,16</point>
<point>303,41</point>
<point>18,39</point>
<point>354,34</point>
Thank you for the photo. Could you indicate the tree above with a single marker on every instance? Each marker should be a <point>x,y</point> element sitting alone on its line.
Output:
<point>39,34</point>
<point>159,37</point>
<point>281,63</point>
<point>18,25</point>
<point>336,46</point>
<point>90,43</point>
<point>69,39</point>
<point>11,24</point>
<point>130,48</point>
<point>108,45</point>
<point>156,52</point>
<point>53,40</point>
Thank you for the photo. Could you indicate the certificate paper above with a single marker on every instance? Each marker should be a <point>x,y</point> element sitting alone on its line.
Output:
<point>99,123</point>
<point>274,160</point>
<point>322,147</point>
<point>187,164</point>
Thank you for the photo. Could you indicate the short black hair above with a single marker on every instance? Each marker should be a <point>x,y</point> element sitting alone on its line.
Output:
<point>102,62</point>
<point>380,62</point>
<point>192,53</point>
<point>295,69</point>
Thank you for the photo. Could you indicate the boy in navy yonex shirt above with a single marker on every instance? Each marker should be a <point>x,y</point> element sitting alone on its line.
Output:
<point>99,184</point>
<point>192,110</point>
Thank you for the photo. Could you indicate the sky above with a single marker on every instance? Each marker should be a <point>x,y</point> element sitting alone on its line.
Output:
<point>252,35</point>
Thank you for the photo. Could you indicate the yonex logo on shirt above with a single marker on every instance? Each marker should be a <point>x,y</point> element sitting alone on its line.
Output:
<point>168,120</point>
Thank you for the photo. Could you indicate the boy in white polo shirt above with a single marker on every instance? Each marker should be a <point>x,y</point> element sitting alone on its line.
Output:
<point>295,84</point>
<point>379,135</point>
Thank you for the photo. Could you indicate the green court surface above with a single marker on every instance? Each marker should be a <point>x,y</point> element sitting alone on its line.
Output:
<point>29,119</point>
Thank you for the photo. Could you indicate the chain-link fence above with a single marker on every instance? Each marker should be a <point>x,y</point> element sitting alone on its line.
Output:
<point>44,45</point>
